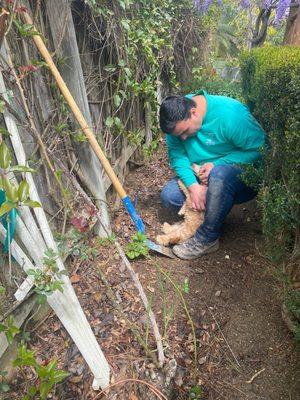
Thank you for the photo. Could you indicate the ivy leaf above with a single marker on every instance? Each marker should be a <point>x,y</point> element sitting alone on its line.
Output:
<point>2,106</point>
<point>121,63</point>
<point>23,191</point>
<point>5,156</point>
<point>109,122</point>
<point>109,68</point>
<point>22,168</point>
<point>117,100</point>
<point>31,203</point>
<point>4,387</point>
<point>125,24</point>
<point>10,190</point>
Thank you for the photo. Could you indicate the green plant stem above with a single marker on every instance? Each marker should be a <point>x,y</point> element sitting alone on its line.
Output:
<point>9,252</point>
<point>178,290</point>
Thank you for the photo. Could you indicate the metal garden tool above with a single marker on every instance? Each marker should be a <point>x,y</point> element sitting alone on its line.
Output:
<point>93,142</point>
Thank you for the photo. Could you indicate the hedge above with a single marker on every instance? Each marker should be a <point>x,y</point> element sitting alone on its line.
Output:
<point>271,87</point>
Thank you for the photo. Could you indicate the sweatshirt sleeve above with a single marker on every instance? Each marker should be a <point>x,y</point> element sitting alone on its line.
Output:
<point>179,160</point>
<point>247,138</point>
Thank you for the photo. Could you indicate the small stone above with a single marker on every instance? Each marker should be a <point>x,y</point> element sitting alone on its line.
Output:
<point>152,375</point>
<point>199,271</point>
<point>227,257</point>
<point>218,292</point>
<point>202,360</point>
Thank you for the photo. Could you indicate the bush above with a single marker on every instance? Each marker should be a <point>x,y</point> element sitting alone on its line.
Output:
<point>208,80</point>
<point>271,87</point>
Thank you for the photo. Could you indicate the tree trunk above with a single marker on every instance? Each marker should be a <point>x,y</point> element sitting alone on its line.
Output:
<point>292,30</point>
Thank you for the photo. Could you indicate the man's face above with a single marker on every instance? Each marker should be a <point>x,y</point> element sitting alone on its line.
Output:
<point>188,127</point>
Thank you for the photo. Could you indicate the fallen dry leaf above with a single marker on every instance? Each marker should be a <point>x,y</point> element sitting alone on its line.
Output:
<point>97,296</point>
<point>75,278</point>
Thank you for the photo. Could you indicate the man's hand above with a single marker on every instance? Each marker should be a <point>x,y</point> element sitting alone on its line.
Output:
<point>205,171</point>
<point>198,196</point>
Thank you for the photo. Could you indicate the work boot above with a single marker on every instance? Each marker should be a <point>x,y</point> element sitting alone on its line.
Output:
<point>193,248</point>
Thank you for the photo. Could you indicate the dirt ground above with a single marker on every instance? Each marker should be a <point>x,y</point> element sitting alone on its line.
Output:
<point>233,297</point>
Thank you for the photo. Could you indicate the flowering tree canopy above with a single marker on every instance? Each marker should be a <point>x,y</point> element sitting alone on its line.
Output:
<point>281,6</point>
<point>269,13</point>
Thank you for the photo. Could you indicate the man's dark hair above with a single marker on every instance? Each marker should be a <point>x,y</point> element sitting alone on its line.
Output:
<point>174,109</point>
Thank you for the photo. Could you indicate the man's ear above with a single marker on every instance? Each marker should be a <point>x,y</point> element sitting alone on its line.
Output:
<point>194,112</point>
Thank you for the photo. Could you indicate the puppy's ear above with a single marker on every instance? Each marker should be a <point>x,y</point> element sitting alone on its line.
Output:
<point>196,168</point>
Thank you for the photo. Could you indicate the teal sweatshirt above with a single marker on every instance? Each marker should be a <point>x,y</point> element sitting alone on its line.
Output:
<point>229,135</point>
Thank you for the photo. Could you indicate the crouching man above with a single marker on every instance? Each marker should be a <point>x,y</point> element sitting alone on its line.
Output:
<point>221,135</point>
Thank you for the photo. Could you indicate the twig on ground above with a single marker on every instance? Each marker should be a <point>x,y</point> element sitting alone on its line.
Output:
<point>255,375</point>
<point>138,285</point>
<point>177,288</point>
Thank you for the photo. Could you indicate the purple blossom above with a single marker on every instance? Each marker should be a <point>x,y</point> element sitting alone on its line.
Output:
<point>267,4</point>
<point>282,8</point>
<point>245,4</point>
<point>202,6</point>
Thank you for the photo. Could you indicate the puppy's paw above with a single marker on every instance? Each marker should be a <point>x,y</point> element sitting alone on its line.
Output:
<point>166,228</point>
<point>163,240</point>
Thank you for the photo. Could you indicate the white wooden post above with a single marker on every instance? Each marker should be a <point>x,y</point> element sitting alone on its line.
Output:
<point>66,304</point>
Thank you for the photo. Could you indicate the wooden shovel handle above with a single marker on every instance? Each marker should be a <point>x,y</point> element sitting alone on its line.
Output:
<point>76,111</point>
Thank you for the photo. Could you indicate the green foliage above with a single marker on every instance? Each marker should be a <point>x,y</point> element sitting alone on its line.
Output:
<point>25,30</point>
<point>196,393</point>
<point>205,78</point>
<point>77,244</point>
<point>47,280</point>
<point>9,329</point>
<point>186,286</point>
<point>47,375</point>
<point>145,36</point>
<point>271,85</point>
<point>4,387</point>
<point>15,195</point>
<point>292,302</point>
<point>137,247</point>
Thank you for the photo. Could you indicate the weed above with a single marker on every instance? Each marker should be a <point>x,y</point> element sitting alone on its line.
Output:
<point>4,387</point>
<point>47,280</point>
<point>46,375</point>
<point>137,247</point>
<point>9,329</point>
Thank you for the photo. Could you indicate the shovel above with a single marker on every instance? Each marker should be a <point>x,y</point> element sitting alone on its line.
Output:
<point>93,142</point>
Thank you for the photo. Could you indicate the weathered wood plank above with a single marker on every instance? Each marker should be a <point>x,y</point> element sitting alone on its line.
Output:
<point>64,38</point>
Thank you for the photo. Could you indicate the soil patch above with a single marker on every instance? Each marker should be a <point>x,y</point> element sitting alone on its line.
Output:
<point>232,295</point>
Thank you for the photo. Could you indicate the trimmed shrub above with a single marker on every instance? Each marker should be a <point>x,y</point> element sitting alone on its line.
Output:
<point>271,87</point>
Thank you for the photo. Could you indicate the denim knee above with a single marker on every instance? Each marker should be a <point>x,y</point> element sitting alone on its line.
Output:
<point>171,195</point>
<point>225,172</point>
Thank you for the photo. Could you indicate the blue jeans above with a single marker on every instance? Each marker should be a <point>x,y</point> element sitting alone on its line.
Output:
<point>225,188</point>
